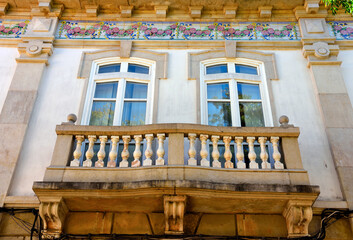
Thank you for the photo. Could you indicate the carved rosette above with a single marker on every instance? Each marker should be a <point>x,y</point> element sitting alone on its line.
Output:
<point>53,214</point>
<point>174,208</point>
<point>298,215</point>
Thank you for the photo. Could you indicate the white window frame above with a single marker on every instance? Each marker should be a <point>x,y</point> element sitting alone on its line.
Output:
<point>122,78</point>
<point>232,78</point>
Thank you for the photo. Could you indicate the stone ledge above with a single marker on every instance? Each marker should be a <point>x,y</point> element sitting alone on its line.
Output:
<point>278,188</point>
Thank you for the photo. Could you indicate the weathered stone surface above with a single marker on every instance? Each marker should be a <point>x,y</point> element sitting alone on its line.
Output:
<point>88,222</point>
<point>217,224</point>
<point>341,142</point>
<point>131,223</point>
<point>258,225</point>
<point>157,223</point>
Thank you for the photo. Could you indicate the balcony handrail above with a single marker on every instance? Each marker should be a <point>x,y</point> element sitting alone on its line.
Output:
<point>185,128</point>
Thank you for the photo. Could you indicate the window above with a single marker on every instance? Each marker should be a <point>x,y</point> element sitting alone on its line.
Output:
<point>119,93</point>
<point>234,94</point>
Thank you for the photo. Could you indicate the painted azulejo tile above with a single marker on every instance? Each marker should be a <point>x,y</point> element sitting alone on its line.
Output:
<point>176,31</point>
<point>13,28</point>
<point>341,30</point>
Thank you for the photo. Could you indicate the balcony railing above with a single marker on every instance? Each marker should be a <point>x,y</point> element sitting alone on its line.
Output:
<point>178,152</point>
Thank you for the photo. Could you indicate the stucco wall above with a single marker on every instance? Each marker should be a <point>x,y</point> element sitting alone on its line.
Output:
<point>60,94</point>
<point>7,69</point>
<point>294,96</point>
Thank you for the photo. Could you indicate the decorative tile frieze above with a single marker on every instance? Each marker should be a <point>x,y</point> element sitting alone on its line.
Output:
<point>341,30</point>
<point>176,31</point>
<point>13,28</point>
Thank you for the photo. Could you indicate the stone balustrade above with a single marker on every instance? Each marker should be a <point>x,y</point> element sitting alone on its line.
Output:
<point>178,152</point>
<point>199,153</point>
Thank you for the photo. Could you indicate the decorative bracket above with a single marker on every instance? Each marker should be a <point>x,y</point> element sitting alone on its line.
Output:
<point>174,208</point>
<point>298,215</point>
<point>265,11</point>
<point>53,213</point>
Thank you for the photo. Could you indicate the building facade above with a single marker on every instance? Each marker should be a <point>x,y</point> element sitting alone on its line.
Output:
<point>180,119</point>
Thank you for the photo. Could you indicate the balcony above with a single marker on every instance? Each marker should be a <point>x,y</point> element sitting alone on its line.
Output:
<point>163,167</point>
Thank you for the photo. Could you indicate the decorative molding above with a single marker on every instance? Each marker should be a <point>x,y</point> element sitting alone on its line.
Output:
<point>195,11</point>
<point>176,31</point>
<point>312,6</point>
<point>174,209</point>
<point>13,28</point>
<point>126,11</point>
<point>298,215</point>
<point>92,10</point>
<point>3,8</point>
<point>265,11</point>
<point>161,11</point>
<point>230,11</point>
<point>53,213</point>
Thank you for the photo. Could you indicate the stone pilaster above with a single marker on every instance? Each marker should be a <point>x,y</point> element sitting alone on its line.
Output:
<point>332,98</point>
<point>35,48</point>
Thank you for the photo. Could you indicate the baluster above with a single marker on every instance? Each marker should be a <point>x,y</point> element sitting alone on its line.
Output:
<point>215,153</point>
<point>252,154</point>
<point>77,153</point>
<point>90,152</point>
<point>263,155</point>
<point>125,153</point>
<point>148,152</point>
<point>240,153</point>
<point>192,151</point>
<point>227,153</point>
<point>113,152</point>
<point>276,154</point>
<point>137,153</point>
<point>101,152</point>
<point>160,151</point>
<point>204,152</point>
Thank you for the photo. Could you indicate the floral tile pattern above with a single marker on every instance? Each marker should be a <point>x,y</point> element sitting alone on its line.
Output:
<point>13,28</point>
<point>176,31</point>
<point>341,30</point>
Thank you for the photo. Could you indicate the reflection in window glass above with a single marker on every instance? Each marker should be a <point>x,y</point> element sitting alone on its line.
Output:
<point>245,69</point>
<point>109,68</point>
<point>222,68</point>
<point>106,90</point>
<point>251,114</point>
<point>102,113</point>
<point>248,91</point>
<point>219,114</point>
<point>218,91</point>
<point>134,113</point>
<point>135,68</point>
<point>135,90</point>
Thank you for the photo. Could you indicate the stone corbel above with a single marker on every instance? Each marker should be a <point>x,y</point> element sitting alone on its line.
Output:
<point>230,11</point>
<point>92,10</point>
<point>3,8</point>
<point>265,11</point>
<point>195,11</point>
<point>298,215</point>
<point>174,209</point>
<point>53,213</point>
<point>34,51</point>
<point>312,6</point>
<point>126,11</point>
<point>161,11</point>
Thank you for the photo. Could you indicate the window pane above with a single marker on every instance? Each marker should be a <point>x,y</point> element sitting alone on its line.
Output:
<point>251,115</point>
<point>134,113</point>
<point>218,91</point>
<point>245,69</point>
<point>222,68</point>
<point>102,114</point>
<point>109,68</point>
<point>138,69</point>
<point>219,114</point>
<point>106,90</point>
<point>248,91</point>
<point>136,90</point>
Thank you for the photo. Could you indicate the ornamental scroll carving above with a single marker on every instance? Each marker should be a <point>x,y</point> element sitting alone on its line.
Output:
<point>174,208</point>
<point>298,216</point>
<point>53,214</point>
